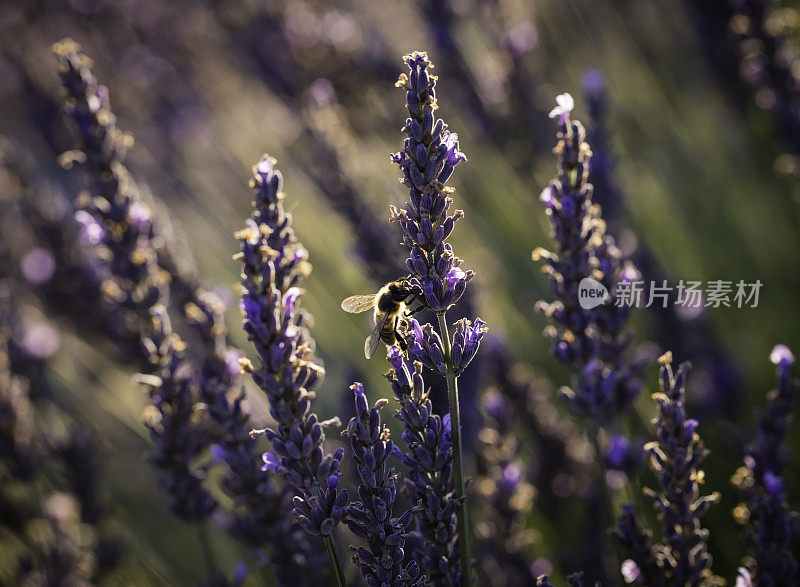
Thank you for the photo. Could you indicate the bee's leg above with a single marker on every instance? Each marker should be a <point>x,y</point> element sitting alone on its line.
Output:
<point>399,336</point>
<point>410,301</point>
<point>410,313</point>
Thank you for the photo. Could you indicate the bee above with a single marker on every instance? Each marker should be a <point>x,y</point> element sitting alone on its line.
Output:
<point>389,307</point>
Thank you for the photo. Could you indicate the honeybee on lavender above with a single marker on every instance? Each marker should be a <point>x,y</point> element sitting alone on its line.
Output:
<point>390,308</point>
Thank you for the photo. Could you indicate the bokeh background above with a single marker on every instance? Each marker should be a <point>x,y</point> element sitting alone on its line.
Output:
<point>701,187</point>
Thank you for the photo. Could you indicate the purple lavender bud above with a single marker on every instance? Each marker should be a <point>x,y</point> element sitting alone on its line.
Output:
<point>466,340</point>
<point>593,81</point>
<point>218,453</point>
<point>495,405</point>
<point>625,455</point>
<point>92,233</point>
<point>231,358</point>
<point>546,197</point>
<point>630,571</point>
<point>425,345</point>
<point>453,155</point>
<point>139,216</point>
<point>40,341</point>
<point>773,484</point>
<point>510,477</point>
<point>271,462</point>
<point>333,480</point>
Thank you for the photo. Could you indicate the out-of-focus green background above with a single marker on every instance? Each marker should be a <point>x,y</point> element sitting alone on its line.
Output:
<point>207,87</point>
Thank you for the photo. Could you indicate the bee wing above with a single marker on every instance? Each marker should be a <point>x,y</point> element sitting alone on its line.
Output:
<point>371,344</point>
<point>358,304</point>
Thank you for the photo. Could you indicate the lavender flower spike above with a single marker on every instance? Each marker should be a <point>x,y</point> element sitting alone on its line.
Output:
<point>675,457</point>
<point>171,419</point>
<point>116,222</point>
<point>590,342</point>
<point>273,264</point>
<point>766,511</point>
<point>429,156</point>
<point>370,518</point>
<point>430,477</point>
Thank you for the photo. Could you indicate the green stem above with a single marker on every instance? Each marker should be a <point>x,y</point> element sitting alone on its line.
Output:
<point>208,550</point>
<point>632,488</point>
<point>336,566</point>
<point>458,464</point>
<point>611,509</point>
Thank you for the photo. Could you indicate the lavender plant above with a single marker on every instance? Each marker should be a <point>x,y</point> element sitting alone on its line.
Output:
<point>371,517</point>
<point>198,412</point>
<point>430,154</point>
<point>765,511</point>
<point>429,480</point>
<point>273,264</point>
<point>561,452</point>
<point>590,342</point>
<point>675,456</point>
<point>172,420</point>
<point>261,502</point>
<point>137,257</point>
<point>115,220</point>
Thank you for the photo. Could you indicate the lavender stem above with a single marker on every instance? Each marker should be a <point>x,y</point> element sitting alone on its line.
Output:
<point>607,502</point>
<point>458,465</point>
<point>208,550</point>
<point>336,565</point>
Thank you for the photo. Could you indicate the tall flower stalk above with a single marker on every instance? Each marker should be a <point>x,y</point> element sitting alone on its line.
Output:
<point>675,458</point>
<point>116,222</point>
<point>372,516</point>
<point>429,481</point>
<point>273,265</point>
<point>761,480</point>
<point>260,516</point>
<point>429,155</point>
<point>591,342</point>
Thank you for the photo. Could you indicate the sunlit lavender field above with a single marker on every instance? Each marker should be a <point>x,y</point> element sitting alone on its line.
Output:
<point>411,293</point>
